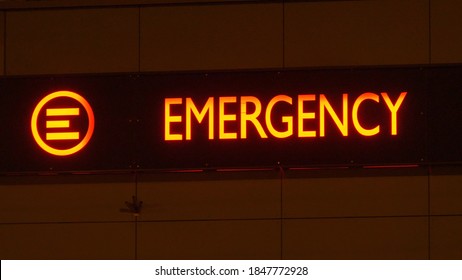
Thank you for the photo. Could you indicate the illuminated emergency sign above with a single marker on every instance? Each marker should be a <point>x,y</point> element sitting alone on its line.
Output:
<point>225,120</point>
<point>52,123</point>
<point>309,123</point>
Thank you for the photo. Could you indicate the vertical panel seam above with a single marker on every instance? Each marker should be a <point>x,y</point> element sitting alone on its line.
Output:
<point>139,38</point>
<point>281,170</point>
<point>429,85</point>
<point>281,184</point>
<point>430,31</point>
<point>136,218</point>
<point>283,34</point>
<point>136,238</point>
<point>4,43</point>
<point>427,120</point>
<point>429,212</point>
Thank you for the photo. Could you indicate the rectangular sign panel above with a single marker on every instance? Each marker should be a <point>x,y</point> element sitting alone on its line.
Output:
<point>294,118</point>
<point>219,120</point>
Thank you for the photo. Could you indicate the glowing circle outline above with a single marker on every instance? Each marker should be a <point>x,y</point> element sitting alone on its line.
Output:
<point>81,144</point>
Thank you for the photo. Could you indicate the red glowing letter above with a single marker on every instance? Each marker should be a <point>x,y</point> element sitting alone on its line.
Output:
<point>285,119</point>
<point>302,115</point>
<point>190,107</point>
<point>170,119</point>
<point>226,117</point>
<point>324,104</point>
<point>359,128</point>
<point>394,110</point>
<point>251,117</point>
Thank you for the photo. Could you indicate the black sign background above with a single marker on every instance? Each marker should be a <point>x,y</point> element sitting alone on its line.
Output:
<point>445,115</point>
<point>129,120</point>
<point>407,147</point>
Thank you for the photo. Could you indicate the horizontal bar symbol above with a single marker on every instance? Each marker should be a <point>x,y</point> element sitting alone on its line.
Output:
<point>63,136</point>
<point>57,124</point>
<point>63,112</point>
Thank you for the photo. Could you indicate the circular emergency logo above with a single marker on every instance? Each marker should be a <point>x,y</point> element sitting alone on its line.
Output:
<point>62,123</point>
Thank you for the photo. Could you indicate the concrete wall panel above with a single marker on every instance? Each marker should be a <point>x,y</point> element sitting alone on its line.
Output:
<point>211,37</point>
<point>72,41</point>
<point>68,241</point>
<point>210,199</point>
<point>446,238</point>
<point>253,239</point>
<point>446,194</point>
<point>57,199</point>
<point>349,197</point>
<point>356,238</point>
<point>336,33</point>
<point>446,27</point>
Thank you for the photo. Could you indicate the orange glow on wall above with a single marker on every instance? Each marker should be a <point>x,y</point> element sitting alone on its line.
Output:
<point>62,123</point>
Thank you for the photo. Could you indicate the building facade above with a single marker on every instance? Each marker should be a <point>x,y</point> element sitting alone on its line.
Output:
<point>318,212</point>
